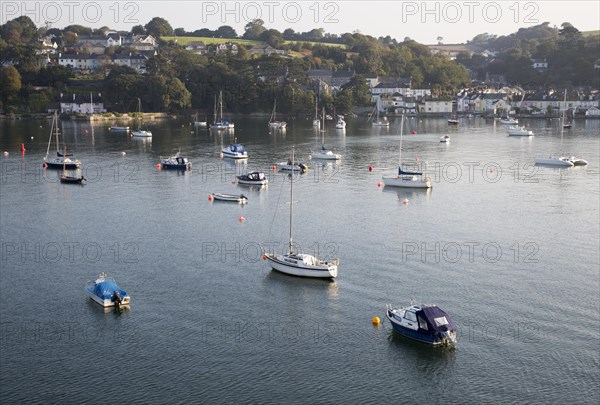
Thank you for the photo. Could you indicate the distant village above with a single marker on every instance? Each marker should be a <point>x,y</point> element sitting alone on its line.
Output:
<point>391,95</point>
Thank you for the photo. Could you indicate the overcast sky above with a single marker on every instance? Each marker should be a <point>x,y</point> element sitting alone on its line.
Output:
<point>424,21</point>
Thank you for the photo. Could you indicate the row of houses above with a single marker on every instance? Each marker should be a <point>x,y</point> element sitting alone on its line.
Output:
<point>84,63</point>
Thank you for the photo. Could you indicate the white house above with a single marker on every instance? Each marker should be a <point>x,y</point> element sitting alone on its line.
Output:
<point>593,112</point>
<point>437,107</point>
<point>82,105</point>
<point>539,64</point>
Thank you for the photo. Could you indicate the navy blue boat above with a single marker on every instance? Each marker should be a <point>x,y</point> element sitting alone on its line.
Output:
<point>176,162</point>
<point>425,323</point>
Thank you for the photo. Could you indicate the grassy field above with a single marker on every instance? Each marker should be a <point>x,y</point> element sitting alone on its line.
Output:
<point>591,33</point>
<point>212,41</point>
<point>247,42</point>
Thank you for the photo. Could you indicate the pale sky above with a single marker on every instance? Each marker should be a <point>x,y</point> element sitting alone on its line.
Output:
<point>424,21</point>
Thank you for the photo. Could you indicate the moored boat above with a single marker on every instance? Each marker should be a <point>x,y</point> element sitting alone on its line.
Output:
<point>105,291</point>
<point>559,161</point>
<point>445,139</point>
<point>118,129</point>
<point>292,166</point>
<point>237,198</point>
<point>176,162</point>
<point>519,131</point>
<point>424,323</point>
<point>253,178</point>
<point>235,151</point>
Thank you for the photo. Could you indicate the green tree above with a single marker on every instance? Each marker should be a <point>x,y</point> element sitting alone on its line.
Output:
<point>225,31</point>
<point>272,37</point>
<point>10,83</point>
<point>254,28</point>
<point>343,101</point>
<point>138,30</point>
<point>159,27</point>
<point>359,89</point>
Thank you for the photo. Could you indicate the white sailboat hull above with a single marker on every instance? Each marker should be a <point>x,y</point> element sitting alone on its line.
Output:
<point>329,155</point>
<point>141,134</point>
<point>554,161</point>
<point>406,182</point>
<point>302,266</point>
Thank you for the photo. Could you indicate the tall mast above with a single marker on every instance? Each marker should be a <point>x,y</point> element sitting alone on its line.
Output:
<point>56,132</point>
<point>221,103</point>
<point>50,137</point>
<point>291,199</point>
<point>401,129</point>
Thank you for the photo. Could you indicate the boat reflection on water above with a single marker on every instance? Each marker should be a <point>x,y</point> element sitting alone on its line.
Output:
<point>409,194</point>
<point>303,286</point>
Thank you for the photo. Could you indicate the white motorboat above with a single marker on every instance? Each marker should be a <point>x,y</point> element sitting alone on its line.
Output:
<point>560,161</point>
<point>341,124</point>
<point>378,122</point>
<point>445,139</point>
<point>404,178</point>
<point>105,291</point>
<point>253,178</point>
<point>235,151</point>
<point>519,131</point>
<point>300,264</point>
<point>508,121</point>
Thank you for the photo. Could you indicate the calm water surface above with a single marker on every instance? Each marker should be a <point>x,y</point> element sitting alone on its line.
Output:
<point>510,250</point>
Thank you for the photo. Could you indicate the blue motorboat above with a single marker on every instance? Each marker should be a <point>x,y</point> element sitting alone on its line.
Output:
<point>235,151</point>
<point>176,162</point>
<point>105,291</point>
<point>425,323</point>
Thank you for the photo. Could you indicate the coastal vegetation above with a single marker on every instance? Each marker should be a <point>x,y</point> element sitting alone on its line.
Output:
<point>176,80</point>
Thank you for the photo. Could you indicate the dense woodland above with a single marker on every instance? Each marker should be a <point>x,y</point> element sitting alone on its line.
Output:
<point>178,80</point>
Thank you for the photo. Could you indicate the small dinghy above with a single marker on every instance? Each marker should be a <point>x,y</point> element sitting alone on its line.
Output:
<point>105,291</point>
<point>445,139</point>
<point>296,167</point>
<point>236,198</point>
<point>65,179</point>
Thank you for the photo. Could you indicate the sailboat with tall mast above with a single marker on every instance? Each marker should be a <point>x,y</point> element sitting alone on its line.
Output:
<point>316,121</point>
<point>139,132</point>
<point>273,122</point>
<point>222,123</point>
<point>325,153</point>
<point>377,122</point>
<point>300,264</point>
<point>559,161</point>
<point>406,179</point>
<point>62,160</point>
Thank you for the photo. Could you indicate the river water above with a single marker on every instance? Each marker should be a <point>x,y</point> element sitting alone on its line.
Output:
<point>508,249</point>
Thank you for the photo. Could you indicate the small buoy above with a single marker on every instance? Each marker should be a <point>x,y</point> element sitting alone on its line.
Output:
<point>5,153</point>
<point>221,155</point>
<point>370,168</point>
<point>417,158</point>
<point>32,137</point>
<point>210,198</point>
<point>41,126</point>
<point>123,153</point>
<point>273,167</point>
<point>405,201</point>
<point>414,132</point>
<point>264,257</point>
<point>379,184</point>
<point>158,165</point>
<point>44,165</point>
<point>491,170</point>
<point>376,321</point>
<point>241,219</point>
<point>23,148</point>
